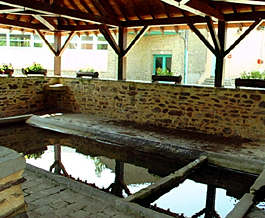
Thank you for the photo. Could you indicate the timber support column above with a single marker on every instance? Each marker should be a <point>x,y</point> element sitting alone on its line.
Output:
<point>210,202</point>
<point>219,68</point>
<point>57,57</point>
<point>121,57</point>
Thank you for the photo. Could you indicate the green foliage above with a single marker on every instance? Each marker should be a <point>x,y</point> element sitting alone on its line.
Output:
<point>5,67</point>
<point>99,166</point>
<point>35,67</point>
<point>35,155</point>
<point>253,75</point>
<point>87,69</point>
<point>161,72</point>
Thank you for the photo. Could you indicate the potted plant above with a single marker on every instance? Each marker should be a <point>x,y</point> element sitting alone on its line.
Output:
<point>87,72</point>
<point>251,79</point>
<point>166,76</point>
<point>34,69</point>
<point>7,69</point>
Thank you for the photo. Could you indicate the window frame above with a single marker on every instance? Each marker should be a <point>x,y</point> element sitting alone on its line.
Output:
<point>163,56</point>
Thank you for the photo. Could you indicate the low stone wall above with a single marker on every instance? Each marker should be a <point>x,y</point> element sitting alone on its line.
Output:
<point>12,166</point>
<point>221,111</point>
<point>227,112</point>
<point>21,95</point>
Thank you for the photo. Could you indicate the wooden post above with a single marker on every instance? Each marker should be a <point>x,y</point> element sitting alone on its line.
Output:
<point>153,192</point>
<point>57,158</point>
<point>219,67</point>
<point>57,57</point>
<point>210,202</point>
<point>121,58</point>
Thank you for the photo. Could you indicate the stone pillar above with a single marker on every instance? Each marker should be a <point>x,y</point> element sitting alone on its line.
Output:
<point>12,166</point>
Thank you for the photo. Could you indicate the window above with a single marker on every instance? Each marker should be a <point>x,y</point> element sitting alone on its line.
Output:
<point>102,44</point>
<point>73,43</point>
<point>19,40</point>
<point>3,41</point>
<point>86,42</point>
<point>162,65</point>
<point>37,41</point>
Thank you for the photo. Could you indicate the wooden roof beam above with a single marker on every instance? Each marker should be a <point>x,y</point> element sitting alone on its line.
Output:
<point>248,2</point>
<point>213,34</point>
<point>68,40</point>
<point>205,8</point>
<point>135,40</point>
<point>163,21</point>
<point>16,23</point>
<point>196,7</point>
<point>45,22</point>
<point>247,16</point>
<point>183,7</point>
<point>7,10</point>
<point>58,10</point>
<point>107,34</point>
<point>47,43</point>
<point>202,38</point>
<point>252,27</point>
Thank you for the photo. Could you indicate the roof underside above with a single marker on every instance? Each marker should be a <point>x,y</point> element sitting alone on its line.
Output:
<point>87,15</point>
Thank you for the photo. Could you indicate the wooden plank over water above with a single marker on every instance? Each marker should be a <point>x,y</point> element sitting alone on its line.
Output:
<point>156,190</point>
<point>249,199</point>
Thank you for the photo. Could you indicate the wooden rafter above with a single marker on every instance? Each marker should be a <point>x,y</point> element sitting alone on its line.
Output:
<point>17,23</point>
<point>184,7</point>
<point>135,40</point>
<point>248,2</point>
<point>98,7</point>
<point>165,8</point>
<point>253,26</point>
<point>5,10</point>
<point>78,27</point>
<point>58,10</point>
<point>45,22</point>
<point>68,40</point>
<point>164,21</point>
<point>135,10</point>
<point>247,16</point>
<point>84,4</point>
<point>150,9</point>
<point>108,36</point>
<point>121,7</point>
<point>202,38</point>
<point>46,42</point>
<point>205,8</point>
<point>213,34</point>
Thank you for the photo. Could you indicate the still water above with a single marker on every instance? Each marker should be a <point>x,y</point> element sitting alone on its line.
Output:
<point>188,198</point>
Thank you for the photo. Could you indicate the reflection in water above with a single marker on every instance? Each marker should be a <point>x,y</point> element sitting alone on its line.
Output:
<point>189,198</point>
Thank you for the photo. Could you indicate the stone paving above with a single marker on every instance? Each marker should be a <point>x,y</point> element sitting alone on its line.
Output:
<point>49,195</point>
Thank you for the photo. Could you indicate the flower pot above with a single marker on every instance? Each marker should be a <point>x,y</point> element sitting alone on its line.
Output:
<point>256,83</point>
<point>41,71</point>
<point>9,72</point>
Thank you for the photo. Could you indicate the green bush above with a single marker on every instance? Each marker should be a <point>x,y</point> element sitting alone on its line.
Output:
<point>161,72</point>
<point>35,67</point>
<point>253,75</point>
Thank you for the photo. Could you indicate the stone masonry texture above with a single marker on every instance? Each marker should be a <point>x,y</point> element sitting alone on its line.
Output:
<point>21,95</point>
<point>220,111</point>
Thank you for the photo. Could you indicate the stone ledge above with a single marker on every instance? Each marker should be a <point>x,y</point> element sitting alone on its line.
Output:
<point>10,162</point>
<point>118,203</point>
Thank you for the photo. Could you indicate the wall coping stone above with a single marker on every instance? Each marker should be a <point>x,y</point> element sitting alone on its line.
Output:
<point>10,162</point>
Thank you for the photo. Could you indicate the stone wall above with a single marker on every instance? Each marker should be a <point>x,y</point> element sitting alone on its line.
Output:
<point>12,166</point>
<point>227,112</point>
<point>21,95</point>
